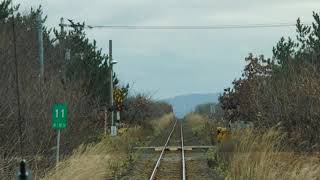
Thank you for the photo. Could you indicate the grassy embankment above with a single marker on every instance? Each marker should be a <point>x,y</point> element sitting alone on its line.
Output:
<point>250,154</point>
<point>110,157</point>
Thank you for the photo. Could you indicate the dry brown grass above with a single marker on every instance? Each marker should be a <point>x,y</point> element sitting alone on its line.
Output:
<point>160,124</point>
<point>264,157</point>
<point>252,155</point>
<point>87,162</point>
<point>106,159</point>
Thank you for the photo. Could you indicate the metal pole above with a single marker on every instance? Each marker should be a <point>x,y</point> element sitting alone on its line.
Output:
<point>111,83</point>
<point>40,43</point>
<point>111,100</point>
<point>58,146</point>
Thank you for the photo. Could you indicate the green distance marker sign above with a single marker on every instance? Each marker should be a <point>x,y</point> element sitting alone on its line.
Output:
<point>59,116</point>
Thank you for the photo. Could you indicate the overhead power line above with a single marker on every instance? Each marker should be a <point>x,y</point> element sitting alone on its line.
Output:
<point>187,27</point>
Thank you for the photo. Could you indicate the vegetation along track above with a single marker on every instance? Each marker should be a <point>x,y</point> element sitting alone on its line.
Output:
<point>172,162</point>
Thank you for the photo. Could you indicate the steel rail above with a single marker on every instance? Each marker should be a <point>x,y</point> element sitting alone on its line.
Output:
<point>162,152</point>
<point>182,156</point>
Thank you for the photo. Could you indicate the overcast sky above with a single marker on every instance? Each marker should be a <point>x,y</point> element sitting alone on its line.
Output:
<point>166,63</point>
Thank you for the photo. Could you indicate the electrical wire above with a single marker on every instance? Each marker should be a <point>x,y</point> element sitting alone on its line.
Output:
<point>184,27</point>
<point>189,27</point>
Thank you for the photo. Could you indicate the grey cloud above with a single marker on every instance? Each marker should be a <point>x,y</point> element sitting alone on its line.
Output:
<point>171,62</point>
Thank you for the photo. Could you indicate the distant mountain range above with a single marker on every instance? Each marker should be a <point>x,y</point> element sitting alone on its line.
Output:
<point>186,103</point>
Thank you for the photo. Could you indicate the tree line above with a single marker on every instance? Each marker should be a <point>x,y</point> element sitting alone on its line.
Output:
<point>282,91</point>
<point>82,81</point>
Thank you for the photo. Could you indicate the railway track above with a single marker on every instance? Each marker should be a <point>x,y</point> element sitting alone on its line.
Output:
<point>173,159</point>
<point>169,165</point>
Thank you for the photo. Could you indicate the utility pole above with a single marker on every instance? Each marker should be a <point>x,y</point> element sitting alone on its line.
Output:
<point>67,58</point>
<point>113,128</point>
<point>61,25</point>
<point>65,54</point>
<point>40,43</point>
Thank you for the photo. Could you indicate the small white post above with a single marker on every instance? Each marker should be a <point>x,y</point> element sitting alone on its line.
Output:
<point>58,146</point>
